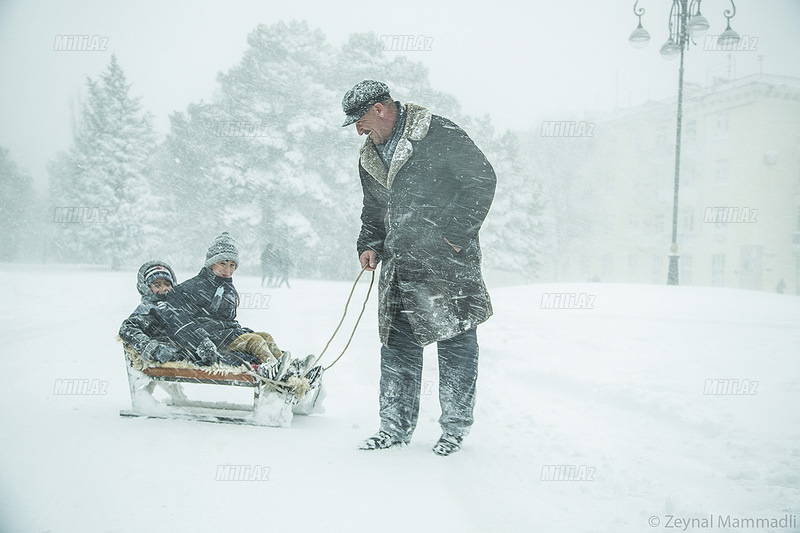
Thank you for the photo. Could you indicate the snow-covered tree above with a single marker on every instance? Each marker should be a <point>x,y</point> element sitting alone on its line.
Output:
<point>513,235</point>
<point>264,160</point>
<point>268,160</point>
<point>16,206</point>
<point>104,207</point>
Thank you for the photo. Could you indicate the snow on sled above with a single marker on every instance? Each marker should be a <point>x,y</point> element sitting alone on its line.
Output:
<point>274,404</point>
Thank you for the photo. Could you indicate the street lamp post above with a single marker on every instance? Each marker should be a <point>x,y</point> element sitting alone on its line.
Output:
<point>686,23</point>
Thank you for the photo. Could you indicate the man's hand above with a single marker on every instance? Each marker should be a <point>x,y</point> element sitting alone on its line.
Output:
<point>368,260</point>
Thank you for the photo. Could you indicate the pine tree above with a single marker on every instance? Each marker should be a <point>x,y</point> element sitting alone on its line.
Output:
<point>16,206</point>
<point>513,235</point>
<point>261,160</point>
<point>197,194</point>
<point>101,188</point>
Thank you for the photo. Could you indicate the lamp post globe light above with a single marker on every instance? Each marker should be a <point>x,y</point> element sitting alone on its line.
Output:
<point>686,24</point>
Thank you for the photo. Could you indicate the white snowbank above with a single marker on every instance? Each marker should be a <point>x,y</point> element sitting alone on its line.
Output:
<point>616,396</point>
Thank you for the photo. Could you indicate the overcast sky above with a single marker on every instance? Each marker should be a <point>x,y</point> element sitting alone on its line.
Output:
<point>516,60</point>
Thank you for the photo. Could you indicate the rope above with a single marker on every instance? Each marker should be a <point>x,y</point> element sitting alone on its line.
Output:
<point>335,332</point>
<point>361,314</point>
<point>298,385</point>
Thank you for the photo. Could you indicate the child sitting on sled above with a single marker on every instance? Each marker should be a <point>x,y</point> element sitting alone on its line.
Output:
<point>211,299</point>
<point>143,331</point>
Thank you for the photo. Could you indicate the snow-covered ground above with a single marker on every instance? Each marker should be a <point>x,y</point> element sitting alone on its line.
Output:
<point>618,394</point>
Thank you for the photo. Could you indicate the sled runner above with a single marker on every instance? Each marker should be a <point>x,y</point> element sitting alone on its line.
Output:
<point>274,404</point>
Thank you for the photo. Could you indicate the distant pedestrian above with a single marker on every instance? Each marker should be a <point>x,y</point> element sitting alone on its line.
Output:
<point>269,260</point>
<point>781,287</point>
<point>282,267</point>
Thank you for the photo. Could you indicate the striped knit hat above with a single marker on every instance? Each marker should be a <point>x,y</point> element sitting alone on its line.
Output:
<point>156,272</point>
<point>152,271</point>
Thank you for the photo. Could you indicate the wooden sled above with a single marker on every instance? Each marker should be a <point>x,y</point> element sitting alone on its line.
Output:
<point>272,406</point>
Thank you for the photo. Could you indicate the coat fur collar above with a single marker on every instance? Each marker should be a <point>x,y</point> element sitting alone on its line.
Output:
<point>418,121</point>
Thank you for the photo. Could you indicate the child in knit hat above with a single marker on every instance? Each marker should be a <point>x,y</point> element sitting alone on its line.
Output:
<point>142,331</point>
<point>156,276</point>
<point>212,299</point>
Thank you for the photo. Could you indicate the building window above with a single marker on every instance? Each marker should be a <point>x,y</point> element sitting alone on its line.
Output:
<point>608,267</point>
<point>685,269</point>
<point>690,131</point>
<point>688,221</point>
<point>721,172</point>
<point>751,267</point>
<point>659,268</point>
<point>718,270</point>
<point>633,264</point>
<point>659,224</point>
<point>721,125</point>
<point>797,275</point>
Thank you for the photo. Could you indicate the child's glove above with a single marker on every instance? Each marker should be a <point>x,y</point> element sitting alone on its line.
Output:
<point>207,353</point>
<point>159,353</point>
